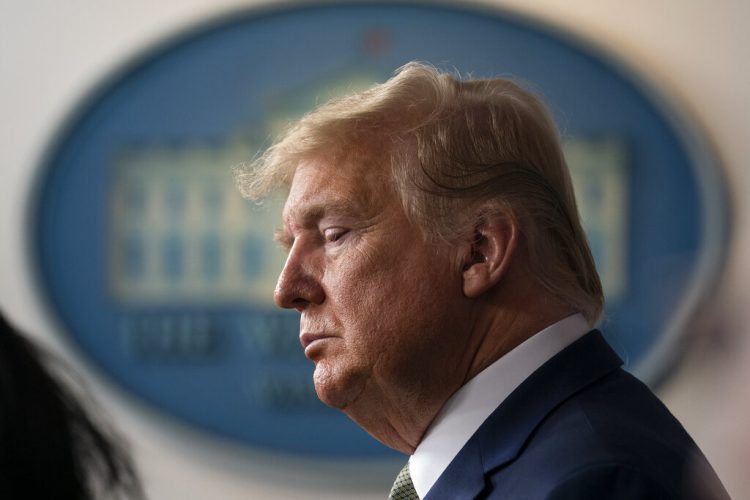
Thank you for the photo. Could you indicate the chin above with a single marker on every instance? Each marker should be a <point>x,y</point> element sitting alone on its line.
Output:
<point>337,388</point>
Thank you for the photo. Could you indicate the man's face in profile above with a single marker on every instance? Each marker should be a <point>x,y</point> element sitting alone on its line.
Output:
<point>381,308</point>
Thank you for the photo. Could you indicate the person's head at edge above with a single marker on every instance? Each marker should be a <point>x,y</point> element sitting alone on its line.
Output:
<point>431,228</point>
<point>52,442</point>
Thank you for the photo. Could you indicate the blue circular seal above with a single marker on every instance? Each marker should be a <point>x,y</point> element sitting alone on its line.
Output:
<point>163,275</point>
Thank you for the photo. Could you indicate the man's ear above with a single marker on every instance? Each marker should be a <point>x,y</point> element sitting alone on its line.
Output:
<point>493,245</point>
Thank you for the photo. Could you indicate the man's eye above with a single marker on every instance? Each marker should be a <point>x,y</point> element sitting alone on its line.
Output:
<point>334,234</point>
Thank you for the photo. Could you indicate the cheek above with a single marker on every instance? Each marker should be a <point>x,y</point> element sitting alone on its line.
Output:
<point>386,297</point>
<point>361,282</point>
<point>365,303</point>
<point>401,305</point>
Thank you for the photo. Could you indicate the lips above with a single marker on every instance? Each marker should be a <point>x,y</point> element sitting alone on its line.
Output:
<point>307,338</point>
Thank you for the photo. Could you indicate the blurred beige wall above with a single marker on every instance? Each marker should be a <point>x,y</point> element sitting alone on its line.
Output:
<point>697,51</point>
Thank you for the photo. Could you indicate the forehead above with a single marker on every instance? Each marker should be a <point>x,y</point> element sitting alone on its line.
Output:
<point>325,184</point>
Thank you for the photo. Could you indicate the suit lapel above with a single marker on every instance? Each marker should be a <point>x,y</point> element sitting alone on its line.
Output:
<point>501,437</point>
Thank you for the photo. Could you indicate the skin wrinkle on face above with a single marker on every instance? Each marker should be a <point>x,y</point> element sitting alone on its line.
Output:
<point>391,301</point>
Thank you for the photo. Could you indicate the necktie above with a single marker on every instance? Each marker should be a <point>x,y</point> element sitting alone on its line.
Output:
<point>403,488</point>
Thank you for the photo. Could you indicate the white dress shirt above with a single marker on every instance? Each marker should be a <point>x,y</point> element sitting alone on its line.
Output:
<point>468,408</point>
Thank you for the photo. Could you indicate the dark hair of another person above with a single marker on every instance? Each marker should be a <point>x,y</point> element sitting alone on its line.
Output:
<point>51,447</point>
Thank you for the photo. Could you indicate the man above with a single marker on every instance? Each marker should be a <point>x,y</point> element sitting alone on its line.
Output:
<point>447,294</point>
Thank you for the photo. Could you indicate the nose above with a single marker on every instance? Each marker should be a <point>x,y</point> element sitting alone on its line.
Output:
<point>298,286</point>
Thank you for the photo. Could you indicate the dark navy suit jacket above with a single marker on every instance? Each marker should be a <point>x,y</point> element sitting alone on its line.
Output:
<point>580,427</point>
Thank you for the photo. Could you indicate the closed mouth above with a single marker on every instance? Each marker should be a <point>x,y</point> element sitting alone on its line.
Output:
<point>308,338</point>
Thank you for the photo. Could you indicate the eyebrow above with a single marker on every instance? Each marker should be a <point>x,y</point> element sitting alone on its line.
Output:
<point>308,215</point>
<point>315,212</point>
<point>284,239</point>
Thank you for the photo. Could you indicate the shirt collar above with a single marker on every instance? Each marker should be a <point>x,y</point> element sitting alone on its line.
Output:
<point>470,406</point>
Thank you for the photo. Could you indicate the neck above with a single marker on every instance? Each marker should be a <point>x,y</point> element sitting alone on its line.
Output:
<point>505,320</point>
<point>500,322</point>
<point>396,425</point>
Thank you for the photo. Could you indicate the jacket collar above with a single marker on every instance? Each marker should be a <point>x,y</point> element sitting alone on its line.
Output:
<point>501,437</point>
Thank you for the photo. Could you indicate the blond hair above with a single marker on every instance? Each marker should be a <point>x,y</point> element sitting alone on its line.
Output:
<point>452,147</point>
